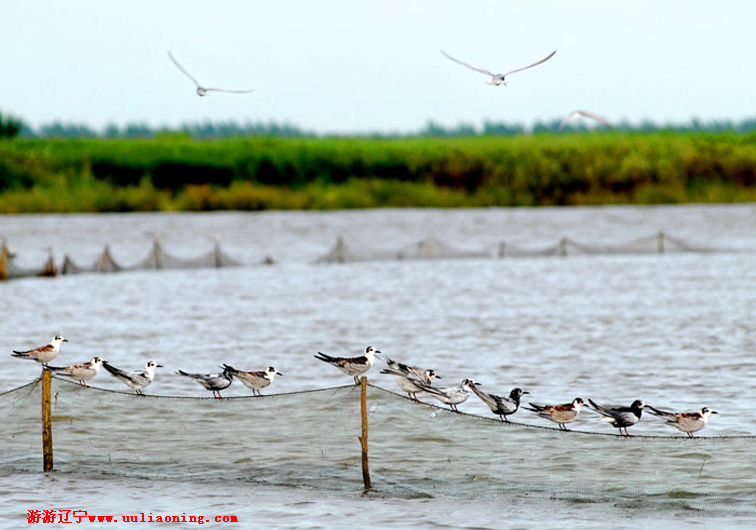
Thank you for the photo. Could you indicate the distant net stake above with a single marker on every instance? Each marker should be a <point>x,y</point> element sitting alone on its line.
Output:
<point>47,445</point>
<point>364,437</point>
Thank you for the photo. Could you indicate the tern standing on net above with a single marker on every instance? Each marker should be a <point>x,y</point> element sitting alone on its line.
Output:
<point>687,422</point>
<point>559,414</point>
<point>79,372</point>
<point>354,366</point>
<point>136,379</point>
<point>451,395</point>
<point>213,382</point>
<point>254,380</point>
<point>497,79</point>
<point>407,377</point>
<point>43,354</point>
<point>621,417</point>
<point>503,406</point>
<point>201,90</point>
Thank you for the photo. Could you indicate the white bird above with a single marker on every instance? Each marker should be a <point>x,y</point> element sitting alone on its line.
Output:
<point>579,114</point>
<point>497,79</point>
<point>502,406</point>
<point>213,382</point>
<point>201,90</point>
<point>451,395</point>
<point>354,366</point>
<point>79,372</point>
<point>254,380</point>
<point>136,379</point>
<point>687,422</point>
<point>559,414</point>
<point>43,354</point>
<point>407,377</point>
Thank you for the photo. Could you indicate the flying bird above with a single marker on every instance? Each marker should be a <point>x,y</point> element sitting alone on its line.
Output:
<point>407,377</point>
<point>79,372</point>
<point>497,79</point>
<point>621,417</point>
<point>254,380</point>
<point>201,90</point>
<point>580,114</point>
<point>136,379</point>
<point>213,382</point>
<point>43,354</point>
<point>354,366</point>
<point>559,414</point>
<point>687,422</point>
<point>503,406</point>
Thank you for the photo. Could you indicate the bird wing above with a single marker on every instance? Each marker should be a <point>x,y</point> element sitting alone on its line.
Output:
<point>471,67</point>
<point>187,74</point>
<point>232,91</point>
<point>531,65</point>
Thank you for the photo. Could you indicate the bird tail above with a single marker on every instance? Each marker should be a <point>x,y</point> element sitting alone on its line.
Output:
<point>20,354</point>
<point>230,369</point>
<point>658,412</point>
<point>323,357</point>
<point>534,407</point>
<point>186,374</point>
<point>112,369</point>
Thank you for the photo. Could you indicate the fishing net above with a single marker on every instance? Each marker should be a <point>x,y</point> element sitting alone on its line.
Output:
<point>310,440</point>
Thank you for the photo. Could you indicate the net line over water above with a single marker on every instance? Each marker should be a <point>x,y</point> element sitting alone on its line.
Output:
<point>310,440</point>
<point>344,252</point>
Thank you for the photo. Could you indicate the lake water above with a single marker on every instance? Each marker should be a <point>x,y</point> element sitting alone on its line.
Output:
<point>676,330</point>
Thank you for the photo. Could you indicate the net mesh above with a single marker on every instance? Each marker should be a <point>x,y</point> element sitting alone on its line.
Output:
<point>310,439</point>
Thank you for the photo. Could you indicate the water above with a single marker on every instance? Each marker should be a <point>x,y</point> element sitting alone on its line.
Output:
<point>675,330</point>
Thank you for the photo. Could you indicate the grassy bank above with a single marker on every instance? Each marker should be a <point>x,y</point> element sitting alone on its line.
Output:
<point>175,173</point>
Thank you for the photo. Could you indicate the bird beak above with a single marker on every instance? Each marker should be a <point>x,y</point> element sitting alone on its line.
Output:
<point>714,412</point>
<point>159,366</point>
<point>279,374</point>
<point>525,392</point>
<point>65,340</point>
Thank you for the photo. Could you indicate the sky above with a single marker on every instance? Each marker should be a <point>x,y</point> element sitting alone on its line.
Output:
<point>345,66</point>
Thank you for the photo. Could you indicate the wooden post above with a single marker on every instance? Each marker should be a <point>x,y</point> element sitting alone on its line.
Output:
<point>364,437</point>
<point>660,242</point>
<point>47,445</point>
<point>4,262</point>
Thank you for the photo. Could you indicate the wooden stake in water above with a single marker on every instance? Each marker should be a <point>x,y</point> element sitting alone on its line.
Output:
<point>47,445</point>
<point>364,437</point>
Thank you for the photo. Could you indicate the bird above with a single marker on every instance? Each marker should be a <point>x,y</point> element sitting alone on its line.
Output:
<point>354,366</point>
<point>579,114</point>
<point>201,90</point>
<point>254,380</point>
<point>136,379</point>
<point>687,422</point>
<point>213,382</point>
<point>79,372</point>
<point>621,417</point>
<point>559,414</point>
<point>451,395</point>
<point>501,405</point>
<point>43,354</point>
<point>407,376</point>
<point>497,79</point>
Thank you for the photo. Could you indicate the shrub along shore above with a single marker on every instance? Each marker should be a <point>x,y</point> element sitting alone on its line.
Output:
<point>257,173</point>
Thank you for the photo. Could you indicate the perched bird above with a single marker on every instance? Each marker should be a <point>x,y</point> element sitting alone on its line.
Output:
<point>43,354</point>
<point>579,114</point>
<point>354,366</point>
<point>497,79</point>
<point>451,395</point>
<point>621,417</point>
<point>201,90</point>
<point>408,376</point>
<point>213,382</point>
<point>136,379</point>
<point>687,422</point>
<point>79,372</point>
<point>559,414</point>
<point>254,380</point>
<point>501,405</point>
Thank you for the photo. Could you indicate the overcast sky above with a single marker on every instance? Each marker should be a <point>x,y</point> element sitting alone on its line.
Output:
<point>340,66</point>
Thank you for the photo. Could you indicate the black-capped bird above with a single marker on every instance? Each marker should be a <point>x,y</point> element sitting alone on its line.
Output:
<point>502,406</point>
<point>621,417</point>
<point>213,382</point>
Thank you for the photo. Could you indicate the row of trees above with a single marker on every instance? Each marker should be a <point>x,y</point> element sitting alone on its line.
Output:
<point>12,127</point>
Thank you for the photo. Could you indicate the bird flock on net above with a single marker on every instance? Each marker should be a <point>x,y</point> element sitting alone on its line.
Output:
<point>410,379</point>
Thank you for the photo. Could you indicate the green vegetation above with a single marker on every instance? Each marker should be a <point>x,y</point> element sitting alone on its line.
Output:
<point>174,172</point>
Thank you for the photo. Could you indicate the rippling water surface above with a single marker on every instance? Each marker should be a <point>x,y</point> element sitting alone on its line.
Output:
<point>676,330</point>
